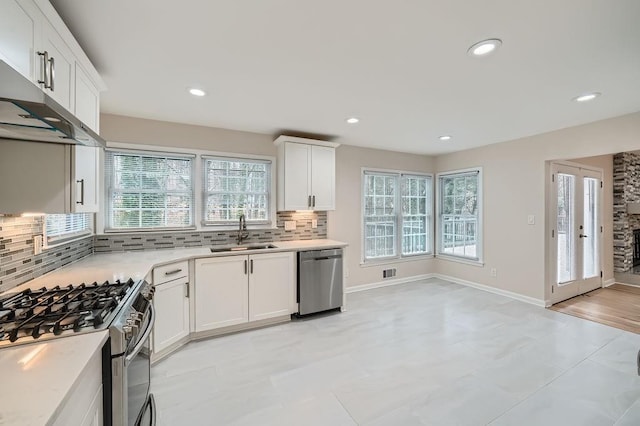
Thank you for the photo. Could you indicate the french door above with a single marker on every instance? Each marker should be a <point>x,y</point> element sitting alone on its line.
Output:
<point>576,231</point>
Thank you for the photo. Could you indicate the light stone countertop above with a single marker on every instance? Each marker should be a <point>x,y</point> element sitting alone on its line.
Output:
<point>38,378</point>
<point>34,395</point>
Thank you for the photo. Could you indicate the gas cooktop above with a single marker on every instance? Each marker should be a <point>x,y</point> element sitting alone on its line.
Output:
<point>33,315</point>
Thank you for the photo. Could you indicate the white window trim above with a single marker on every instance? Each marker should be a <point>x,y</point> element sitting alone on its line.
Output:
<point>399,257</point>
<point>480,235</point>
<point>198,187</point>
<point>62,240</point>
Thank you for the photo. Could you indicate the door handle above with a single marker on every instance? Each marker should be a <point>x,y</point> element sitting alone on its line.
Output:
<point>313,204</point>
<point>52,73</point>
<point>81,182</point>
<point>309,201</point>
<point>252,266</point>
<point>583,236</point>
<point>245,267</point>
<point>45,74</point>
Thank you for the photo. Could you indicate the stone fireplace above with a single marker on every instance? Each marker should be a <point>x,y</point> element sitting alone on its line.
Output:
<point>626,214</point>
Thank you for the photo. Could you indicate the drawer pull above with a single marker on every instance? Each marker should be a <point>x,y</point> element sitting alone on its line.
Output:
<point>175,271</point>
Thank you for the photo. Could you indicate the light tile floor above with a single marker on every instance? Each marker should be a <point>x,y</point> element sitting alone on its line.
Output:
<point>424,353</point>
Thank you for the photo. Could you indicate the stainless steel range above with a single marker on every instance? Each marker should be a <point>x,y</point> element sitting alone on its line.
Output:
<point>124,308</point>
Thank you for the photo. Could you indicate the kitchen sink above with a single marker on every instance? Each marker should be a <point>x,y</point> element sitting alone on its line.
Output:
<point>222,249</point>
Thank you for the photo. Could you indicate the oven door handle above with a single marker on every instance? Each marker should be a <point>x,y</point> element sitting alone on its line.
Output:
<point>145,336</point>
<point>151,403</point>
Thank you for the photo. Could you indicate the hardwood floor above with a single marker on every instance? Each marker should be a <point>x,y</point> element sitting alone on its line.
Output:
<point>617,306</point>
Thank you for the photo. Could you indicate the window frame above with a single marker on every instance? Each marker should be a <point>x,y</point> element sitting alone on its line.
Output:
<point>108,177</point>
<point>65,238</point>
<point>479,259</point>
<point>270,215</point>
<point>398,217</point>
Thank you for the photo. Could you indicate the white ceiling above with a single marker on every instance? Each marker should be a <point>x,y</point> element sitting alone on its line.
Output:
<point>273,66</point>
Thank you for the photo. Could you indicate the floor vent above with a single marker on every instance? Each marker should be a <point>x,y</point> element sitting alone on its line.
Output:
<point>388,273</point>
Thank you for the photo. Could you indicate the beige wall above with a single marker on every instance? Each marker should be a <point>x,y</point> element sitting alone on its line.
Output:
<point>515,186</point>
<point>345,223</point>
<point>117,128</point>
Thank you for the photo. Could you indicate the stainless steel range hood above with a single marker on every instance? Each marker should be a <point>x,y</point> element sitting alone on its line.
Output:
<point>27,113</point>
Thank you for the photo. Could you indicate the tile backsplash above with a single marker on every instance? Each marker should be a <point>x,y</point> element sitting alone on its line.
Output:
<point>159,240</point>
<point>18,264</point>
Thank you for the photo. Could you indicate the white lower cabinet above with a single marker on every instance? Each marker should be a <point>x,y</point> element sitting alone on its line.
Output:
<point>171,303</point>
<point>234,290</point>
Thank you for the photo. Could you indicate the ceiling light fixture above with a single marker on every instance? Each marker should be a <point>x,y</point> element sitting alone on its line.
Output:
<point>484,47</point>
<point>587,97</point>
<point>445,138</point>
<point>197,92</point>
<point>353,120</point>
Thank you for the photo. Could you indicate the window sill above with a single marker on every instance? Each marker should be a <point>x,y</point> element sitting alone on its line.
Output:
<point>369,263</point>
<point>64,241</point>
<point>457,259</point>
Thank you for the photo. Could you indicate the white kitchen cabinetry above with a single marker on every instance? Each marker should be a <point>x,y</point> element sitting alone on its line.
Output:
<point>84,404</point>
<point>35,41</point>
<point>171,303</point>
<point>47,178</point>
<point>20,23</point>
<point>233,290</point>
<point>306,174</point>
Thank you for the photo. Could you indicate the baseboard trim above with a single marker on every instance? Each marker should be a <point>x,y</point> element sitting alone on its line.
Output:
<point>530,300</point>
<point>387,283</point>
<point>609,283</point>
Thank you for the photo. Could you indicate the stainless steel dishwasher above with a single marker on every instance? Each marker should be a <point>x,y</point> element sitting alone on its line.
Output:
<point>319,280</point>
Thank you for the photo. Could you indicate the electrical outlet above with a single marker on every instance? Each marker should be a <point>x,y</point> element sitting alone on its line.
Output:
<point>37,244</point>
<point>314,223</point>
<point>494,272</point>
<point>289,225</point>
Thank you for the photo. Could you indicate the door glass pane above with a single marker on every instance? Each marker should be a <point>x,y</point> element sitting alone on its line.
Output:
<point>590,241</point>
<point>565,228</point>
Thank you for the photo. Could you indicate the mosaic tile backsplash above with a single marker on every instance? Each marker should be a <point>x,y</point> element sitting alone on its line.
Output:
<point>18,264</point>
<point>159,240</point>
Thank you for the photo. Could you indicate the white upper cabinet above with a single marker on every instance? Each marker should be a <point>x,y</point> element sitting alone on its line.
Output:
<point>306,174</point>
<point>85,179</point>
<point>35,41</point>
<point>59,66</point>
<point>20,22</point>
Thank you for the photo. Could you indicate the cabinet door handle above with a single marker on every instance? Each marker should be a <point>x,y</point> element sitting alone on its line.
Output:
<point>45,74</point>
<point>313,204</point>
<point>52,73</point>
<point>252,266</point>
<point>245,267</point>
<point>81,182</point>
<point>186,285</point>
<point>175,271</point>
<point>309,201</point>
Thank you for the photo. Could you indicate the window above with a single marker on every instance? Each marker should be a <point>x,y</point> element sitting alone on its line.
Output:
<point>396,201</point>
<point>459,218</point>
<point>149,190</point>
<point>60,228</point>
<point>236,186</point>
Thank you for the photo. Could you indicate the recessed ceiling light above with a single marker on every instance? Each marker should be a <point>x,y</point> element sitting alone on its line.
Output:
<point>586,97</point>
<point>197,92</point>
<point>353,120</point>
<point>445,138</point>
<point>484,47</point>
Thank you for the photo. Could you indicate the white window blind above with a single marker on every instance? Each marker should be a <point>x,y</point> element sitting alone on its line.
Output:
<point>392,202</point>
<point>149,190</point>
<point>460,214</point>
<point>64,227</point>
<point>236,186</point>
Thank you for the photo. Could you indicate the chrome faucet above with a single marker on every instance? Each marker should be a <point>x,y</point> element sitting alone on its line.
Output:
<point>242,230</point>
